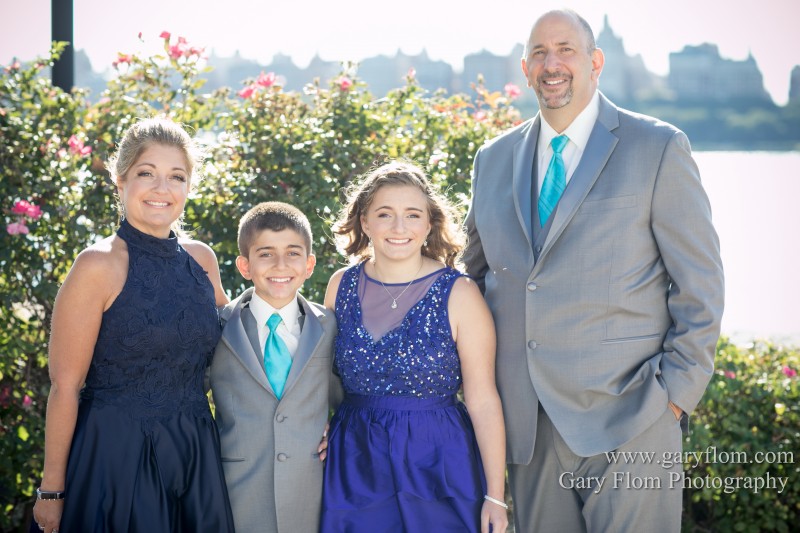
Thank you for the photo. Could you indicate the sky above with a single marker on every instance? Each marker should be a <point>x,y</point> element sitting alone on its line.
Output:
<point>447,30</point>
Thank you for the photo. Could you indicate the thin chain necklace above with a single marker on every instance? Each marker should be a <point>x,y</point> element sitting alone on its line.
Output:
<point>394,298</point>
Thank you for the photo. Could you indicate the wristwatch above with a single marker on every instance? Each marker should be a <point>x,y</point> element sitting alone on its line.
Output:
<point>49,494</point>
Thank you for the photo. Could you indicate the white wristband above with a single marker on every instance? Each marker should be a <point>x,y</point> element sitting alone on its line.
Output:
<point>497,502</point>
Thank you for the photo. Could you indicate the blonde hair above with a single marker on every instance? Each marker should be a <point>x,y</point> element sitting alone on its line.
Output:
<point>145,133</point>
<point>446,240</point>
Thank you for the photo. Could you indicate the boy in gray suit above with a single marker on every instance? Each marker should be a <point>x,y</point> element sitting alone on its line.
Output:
<point>271,377</point>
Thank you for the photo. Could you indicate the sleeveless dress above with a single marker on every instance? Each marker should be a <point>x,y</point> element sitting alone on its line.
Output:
<point>145,452</point>
<point>402,453</point>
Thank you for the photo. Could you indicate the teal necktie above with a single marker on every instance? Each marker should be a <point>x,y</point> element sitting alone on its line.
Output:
<point>555,180</point>
<point>277,359</point>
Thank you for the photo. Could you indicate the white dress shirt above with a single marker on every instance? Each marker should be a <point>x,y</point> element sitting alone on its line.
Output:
<point>578,133</point>
<point>288,329</point>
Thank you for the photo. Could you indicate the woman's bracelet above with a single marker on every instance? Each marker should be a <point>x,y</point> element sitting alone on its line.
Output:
<point>49,494</point>
<point>488,498</point>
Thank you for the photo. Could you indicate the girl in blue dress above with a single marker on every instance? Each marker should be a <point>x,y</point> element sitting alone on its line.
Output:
<point>404,454</point>
<point>130,444</point>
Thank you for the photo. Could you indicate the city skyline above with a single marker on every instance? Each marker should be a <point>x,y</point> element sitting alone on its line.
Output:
<point>357,29</point>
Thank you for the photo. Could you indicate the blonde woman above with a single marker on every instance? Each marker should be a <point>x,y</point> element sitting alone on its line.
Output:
<point>130,444</point>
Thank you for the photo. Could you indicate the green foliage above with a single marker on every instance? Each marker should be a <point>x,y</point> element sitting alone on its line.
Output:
<point>748,428</point>
<point>263,144</point>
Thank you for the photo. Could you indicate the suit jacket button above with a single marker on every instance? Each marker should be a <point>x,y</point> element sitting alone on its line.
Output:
<point>532,345</point>
<point>280,418</point>
<point>538,249</point>
<point>531,286</point>
<point>282,457</point>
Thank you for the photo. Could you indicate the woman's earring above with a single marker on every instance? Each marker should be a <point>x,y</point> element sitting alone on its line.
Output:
<point>425,242</point>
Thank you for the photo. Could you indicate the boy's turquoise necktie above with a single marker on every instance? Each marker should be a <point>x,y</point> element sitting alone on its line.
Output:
<point>277,359</point>
<point>555,180</point>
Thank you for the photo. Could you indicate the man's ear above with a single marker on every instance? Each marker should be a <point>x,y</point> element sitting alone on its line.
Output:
<point>598,60</point>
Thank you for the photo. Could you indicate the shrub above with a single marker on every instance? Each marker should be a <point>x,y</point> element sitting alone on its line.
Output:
<point>747,429</point>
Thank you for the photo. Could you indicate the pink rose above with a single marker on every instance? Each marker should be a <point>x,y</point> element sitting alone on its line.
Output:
<point>27,401</point>
<point>165,35</point>
<point>21,207</point>
<point>512,91</point>
<point>730,374</point>
<point>266,80</point>
<point>25,208</point>
<point>17,228</point>
<point>344,83</point>
<point>480,115</point>
<point>34,212</point>
<point>789,372</point>
<point>176,50</point>
<point>77,147</point>
<point>122,58</point>
<point>248,91</point>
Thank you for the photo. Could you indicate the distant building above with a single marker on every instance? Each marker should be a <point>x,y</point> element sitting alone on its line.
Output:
<point>230,72</point>
<point>496,70</point>
<point>625,78</point>
<point>290,76</point>
<point>383,73</point>
<point>698,73</point>
<point>85,76</point>
<point>794,85</point>
<point>322,70</point>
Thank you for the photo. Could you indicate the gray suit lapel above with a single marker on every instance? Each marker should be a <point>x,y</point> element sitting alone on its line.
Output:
<point>309,340</point>
<point>599,148</point>
<point>524,151</point>
<point>240,341</point>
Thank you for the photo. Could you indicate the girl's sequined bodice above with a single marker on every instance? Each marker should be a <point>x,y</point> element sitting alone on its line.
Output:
<point>158,336</point>
<point>418,358</point>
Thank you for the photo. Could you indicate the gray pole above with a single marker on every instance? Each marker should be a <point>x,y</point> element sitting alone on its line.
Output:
<point>62,30</point>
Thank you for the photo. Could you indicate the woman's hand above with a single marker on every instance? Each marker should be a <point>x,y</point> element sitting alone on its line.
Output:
<point>47,514</point>
<point>495,516</point>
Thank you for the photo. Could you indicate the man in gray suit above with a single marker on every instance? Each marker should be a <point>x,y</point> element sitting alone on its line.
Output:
<point>600,264</point>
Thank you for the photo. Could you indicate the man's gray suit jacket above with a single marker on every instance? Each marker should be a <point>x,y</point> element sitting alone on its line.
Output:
<point>621,311</point>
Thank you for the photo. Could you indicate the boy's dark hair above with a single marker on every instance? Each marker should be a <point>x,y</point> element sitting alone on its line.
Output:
<point>275,216</point>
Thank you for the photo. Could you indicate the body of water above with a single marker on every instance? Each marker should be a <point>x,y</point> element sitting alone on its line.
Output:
<point>754,200</point>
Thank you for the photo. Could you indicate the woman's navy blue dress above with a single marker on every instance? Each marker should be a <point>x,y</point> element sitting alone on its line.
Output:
<point>145,453</point>
<point>402,454</point>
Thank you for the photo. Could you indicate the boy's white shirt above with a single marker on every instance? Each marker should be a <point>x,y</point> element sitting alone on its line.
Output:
<point>288,330</point>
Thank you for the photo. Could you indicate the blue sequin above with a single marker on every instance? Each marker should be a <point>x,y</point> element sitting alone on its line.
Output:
<point>417,359</point>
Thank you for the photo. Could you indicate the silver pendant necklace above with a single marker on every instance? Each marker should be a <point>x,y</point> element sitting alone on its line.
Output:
<point>395,298</point>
